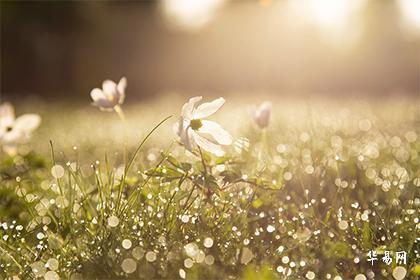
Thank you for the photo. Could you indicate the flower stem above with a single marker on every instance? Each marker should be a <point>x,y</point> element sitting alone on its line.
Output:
<point>203,161</point>
<point>262,150</point>
<point>130,162</point>
<point>121,115</point>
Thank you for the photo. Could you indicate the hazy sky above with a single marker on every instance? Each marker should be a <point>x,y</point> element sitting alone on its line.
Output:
<point>59,50</point>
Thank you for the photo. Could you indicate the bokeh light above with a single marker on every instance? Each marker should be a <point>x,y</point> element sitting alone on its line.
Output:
<point>338,21</point>
<point>190,14</point>
<point>410,10</point>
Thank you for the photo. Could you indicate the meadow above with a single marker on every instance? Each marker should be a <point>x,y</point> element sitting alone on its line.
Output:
<point>303,189</point>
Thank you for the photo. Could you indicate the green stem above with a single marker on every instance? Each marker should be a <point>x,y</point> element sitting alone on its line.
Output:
<point>203,161</point>
<point>121,115</point>
<point>130,162</point>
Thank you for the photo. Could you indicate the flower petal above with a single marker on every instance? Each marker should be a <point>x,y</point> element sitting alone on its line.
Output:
<point>109,89</point>
<point>7,115</point>
<point>14,136</point>
<point>216,131</point>
<point>262,114</point>
<point>27,123</point>
<point>97,94</point>
<point>184,132</point>
<point>122,84</point>
<point>101,101</point>
<point>188,108</point>
<point>207,145</point>
<point>208,108</point>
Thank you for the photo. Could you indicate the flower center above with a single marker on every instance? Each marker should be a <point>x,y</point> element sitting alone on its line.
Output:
<point>9,128</point>
<point>195,124</point>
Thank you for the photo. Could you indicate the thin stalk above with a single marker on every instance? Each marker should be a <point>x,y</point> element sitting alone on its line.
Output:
<point>263,147</point>
<point>130,162</point>
<point>203,161</point>
<point>121,115</point>
<point>53,162</point>
<point>135,193</point>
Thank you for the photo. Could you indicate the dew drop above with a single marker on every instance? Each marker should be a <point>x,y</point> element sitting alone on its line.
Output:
<point>138,253</point>
<point>51,275</point>
<point>182,273</point>
<point>208,242</point>
<point>399,272</point>
<point>188,263</point>
<point>113,221</point>
<point>287,176</point>
<point>185,218</point>
<point>52,264</point>
<point>57,171</point>
<point>129,265</point>
<point>246,256</point>
<point>191,249</point>
<point>270,228</point>
<point>209,260</point>
<point>40,235</point>
<point>310,275</point>
<point>126,243</point>
<point>38,269</point>
<point>343,225</point>
<point>151,256</point>
<point>360,277</point>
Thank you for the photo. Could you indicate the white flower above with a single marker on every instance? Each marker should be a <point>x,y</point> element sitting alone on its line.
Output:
<point>15,131</point>
<point>194,131</point>
<point>110,95</point>
<point>262,114</point>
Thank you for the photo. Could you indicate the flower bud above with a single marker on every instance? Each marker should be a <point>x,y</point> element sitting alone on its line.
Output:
<point>262,114</point>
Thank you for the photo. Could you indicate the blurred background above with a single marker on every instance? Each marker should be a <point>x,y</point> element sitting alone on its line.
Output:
<point>60,50</point>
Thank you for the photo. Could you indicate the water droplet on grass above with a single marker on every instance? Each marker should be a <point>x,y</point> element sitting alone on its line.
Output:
<point>270,228</point>
<point>52,264</point>
<point>209,260</point>
<point>129,265</point>
<point>57,171</point>
<point>399,272</point>
<point>51,275</point>
<point>126,243</point>
<point>360,277</point>
<point>113,221</point>
<point>246,256</point>
<point>310,275</point>
<point>182,273</point>
<point>138,253</point>
<point>208,242</point>
<point>343,225</point>
<point>151,256</point>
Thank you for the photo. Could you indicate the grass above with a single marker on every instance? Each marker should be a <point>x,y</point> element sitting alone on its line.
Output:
<point>306,199</point>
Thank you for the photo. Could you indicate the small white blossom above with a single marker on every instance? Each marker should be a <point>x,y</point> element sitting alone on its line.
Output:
<point>262,114</point>
<point>111,94</point>
<point>15,131</point>
<point>194,131</point>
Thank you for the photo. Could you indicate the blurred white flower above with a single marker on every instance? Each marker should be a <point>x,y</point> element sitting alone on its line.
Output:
<point>194,131</point>
<point>262,114</point>
<point>111,94</point>
<point>15,131</point>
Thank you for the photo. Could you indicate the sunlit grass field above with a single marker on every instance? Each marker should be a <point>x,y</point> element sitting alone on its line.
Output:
<point>91,196</point>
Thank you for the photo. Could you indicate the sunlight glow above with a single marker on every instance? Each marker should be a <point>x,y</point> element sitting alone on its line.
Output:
<point>338,20</point>
<point>329,12</point>
<point>410,9</point>
<point>190,14</point>
<point>332,14</point>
